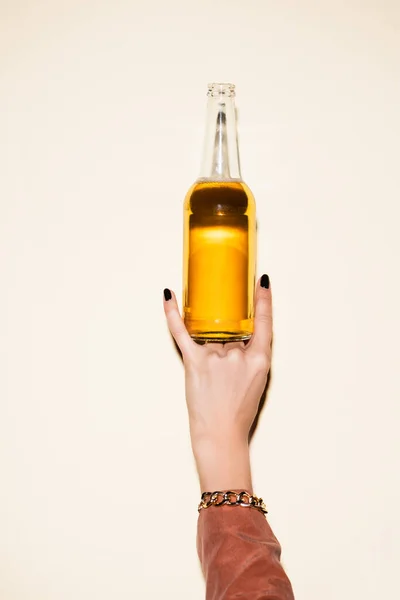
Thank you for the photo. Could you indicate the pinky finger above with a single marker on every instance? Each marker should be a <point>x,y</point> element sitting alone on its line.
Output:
<point>176,325</point>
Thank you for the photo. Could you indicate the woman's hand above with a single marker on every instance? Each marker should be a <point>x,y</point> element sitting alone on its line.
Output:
<point>224,383</point>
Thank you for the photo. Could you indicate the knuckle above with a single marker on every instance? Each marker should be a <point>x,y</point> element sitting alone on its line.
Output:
<point>213,357</point>
<point>260,362</point>
<point>235,354</point>
<point>212,363</point>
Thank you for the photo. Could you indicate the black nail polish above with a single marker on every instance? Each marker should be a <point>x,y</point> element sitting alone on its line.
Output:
<point>264,281</point>
<point>167,294</point>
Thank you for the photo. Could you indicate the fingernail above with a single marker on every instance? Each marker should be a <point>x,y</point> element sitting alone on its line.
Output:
<point>264,281</point>
<point>167,294</point>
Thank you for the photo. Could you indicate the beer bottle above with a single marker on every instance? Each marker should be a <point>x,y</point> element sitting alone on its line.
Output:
<point>219,233</point>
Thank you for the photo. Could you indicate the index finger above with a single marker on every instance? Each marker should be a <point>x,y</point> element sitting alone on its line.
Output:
<point>262,336</point>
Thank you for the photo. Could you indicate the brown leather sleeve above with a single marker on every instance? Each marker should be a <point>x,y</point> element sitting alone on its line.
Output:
<point>240,555</point>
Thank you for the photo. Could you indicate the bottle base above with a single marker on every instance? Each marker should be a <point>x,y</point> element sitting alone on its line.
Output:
<point>220,337</point>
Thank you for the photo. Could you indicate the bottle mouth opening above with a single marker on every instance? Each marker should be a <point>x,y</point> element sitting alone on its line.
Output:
<point>221,89</point>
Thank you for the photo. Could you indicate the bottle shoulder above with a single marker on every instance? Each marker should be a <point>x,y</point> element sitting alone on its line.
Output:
<point>219,196</point>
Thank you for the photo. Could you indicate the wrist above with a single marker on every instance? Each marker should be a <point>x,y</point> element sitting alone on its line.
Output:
<point>223,463</point>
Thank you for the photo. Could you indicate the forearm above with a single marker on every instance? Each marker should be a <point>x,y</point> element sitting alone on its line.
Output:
<point>240,555</point>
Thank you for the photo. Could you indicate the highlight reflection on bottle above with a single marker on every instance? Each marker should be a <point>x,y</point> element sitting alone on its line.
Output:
<point>219,234</point>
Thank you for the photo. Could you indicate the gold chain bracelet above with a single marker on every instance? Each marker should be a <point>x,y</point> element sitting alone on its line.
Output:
<point>232,499</point>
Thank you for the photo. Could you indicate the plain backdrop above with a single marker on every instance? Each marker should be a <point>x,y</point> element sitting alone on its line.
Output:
<point>102,108</point>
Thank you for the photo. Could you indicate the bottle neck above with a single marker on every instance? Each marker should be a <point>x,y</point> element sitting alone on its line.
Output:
<point>221,152</point>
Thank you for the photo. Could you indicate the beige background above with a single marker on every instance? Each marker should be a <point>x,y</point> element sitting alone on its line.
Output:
<point>102,112</point>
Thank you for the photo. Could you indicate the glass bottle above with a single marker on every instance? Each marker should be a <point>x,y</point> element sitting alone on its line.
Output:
<point>219,233</point>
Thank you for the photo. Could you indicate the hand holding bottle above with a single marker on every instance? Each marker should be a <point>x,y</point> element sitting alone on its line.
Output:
<point>224,384</point>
